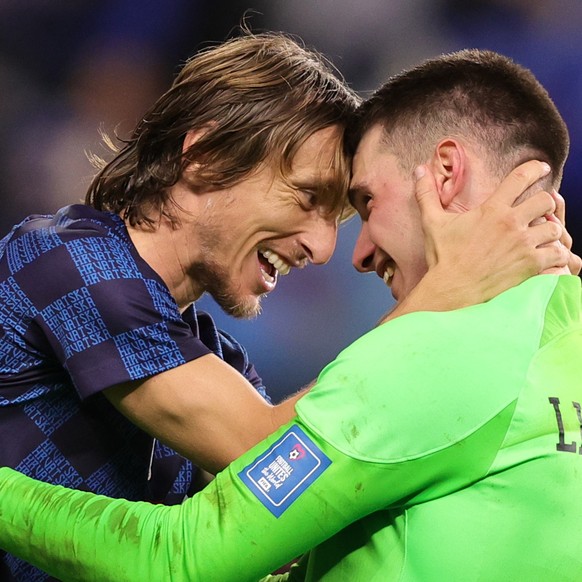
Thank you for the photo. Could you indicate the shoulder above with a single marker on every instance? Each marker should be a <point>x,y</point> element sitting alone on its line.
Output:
<point>427,380</point>
<point>72,233</point>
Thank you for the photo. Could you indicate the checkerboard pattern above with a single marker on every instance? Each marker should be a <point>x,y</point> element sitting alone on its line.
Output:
<point>81,312</point>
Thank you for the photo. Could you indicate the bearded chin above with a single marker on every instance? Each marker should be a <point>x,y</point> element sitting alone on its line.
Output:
<point>239,307</point>
<point>217,284</point>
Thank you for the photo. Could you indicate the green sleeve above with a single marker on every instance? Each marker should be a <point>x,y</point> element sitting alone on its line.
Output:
<point>226,532</point>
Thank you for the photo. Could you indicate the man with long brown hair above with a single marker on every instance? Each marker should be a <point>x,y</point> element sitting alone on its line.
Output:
<point>236,175</point>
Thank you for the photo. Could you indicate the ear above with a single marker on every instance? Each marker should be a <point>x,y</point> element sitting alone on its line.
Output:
<point>449,165</point>
<point>193,136</point>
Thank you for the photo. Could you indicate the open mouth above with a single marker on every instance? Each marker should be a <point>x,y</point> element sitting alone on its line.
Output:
<point>268,270</point>
<point>272,264</point>
<point>388,275</point>
<point>386,271</point>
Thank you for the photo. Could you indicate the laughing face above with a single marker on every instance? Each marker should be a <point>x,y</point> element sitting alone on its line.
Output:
<point>390,242</point>
<point>247,235</point>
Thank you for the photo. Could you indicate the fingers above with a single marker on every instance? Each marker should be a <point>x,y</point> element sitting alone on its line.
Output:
<point>539,205</point>
<point>574,264</point>
<point>519,180</point>
<point>560,217</point>
<point>426,193</point>
<point>566,238</point>
<point>545,233</point>
<point>560,211</point>
<point>553,246</point>
<point>552,258</point>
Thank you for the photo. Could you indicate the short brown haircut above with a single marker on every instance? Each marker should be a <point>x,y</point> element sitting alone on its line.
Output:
<point>253,98</point>
<point>480,95</point>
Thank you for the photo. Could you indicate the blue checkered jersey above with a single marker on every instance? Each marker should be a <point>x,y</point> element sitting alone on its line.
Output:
<point>80,311</point>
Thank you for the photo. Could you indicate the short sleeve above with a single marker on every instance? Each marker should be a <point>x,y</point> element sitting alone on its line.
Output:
<point>106,317</point>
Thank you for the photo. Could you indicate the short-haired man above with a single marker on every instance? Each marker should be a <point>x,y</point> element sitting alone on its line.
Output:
<point>450,438</point>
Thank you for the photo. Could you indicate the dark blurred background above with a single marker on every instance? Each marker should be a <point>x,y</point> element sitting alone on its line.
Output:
<point>69,69</point>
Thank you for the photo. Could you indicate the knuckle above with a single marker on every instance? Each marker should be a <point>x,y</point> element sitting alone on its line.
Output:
<point>520,173</point>
<point>555,231</point>
<point>563,256</point>
<point>546,200</point>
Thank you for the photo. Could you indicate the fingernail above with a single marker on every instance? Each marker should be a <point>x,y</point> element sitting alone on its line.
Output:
<point>419,172</point>
<point>546,168</point>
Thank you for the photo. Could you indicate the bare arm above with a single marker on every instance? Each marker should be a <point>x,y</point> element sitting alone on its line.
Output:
<point>477,255</point>
<point>204,409</point>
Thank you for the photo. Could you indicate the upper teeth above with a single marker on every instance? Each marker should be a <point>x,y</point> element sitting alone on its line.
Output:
<point>388,274</point>
<point>276,261</point>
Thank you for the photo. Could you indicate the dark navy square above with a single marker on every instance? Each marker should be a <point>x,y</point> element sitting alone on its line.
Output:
<point>39,282</point>
<point>127,296</point>
<point>279,476</point>
<point>96,368</point>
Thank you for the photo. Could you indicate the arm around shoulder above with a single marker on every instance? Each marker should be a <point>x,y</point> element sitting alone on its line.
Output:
<point>204,409</point>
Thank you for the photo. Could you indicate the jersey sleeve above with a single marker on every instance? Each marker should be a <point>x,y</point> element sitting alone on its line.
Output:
<point>106,317</point>
<point>285,496</point>
<point>247,522</point>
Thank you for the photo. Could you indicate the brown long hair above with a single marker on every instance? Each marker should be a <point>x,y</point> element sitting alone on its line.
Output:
<point>252,98</point>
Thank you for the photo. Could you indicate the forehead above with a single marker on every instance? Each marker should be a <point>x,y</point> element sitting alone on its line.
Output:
<point>317,156</point>
<point>320,165</point>
<point>370,158</point>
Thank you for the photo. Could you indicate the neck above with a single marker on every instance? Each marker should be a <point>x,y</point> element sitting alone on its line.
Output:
<point>167,253</point>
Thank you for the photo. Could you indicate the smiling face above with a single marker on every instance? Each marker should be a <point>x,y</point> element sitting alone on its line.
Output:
<point>241,238</point>
<point>390,242</point>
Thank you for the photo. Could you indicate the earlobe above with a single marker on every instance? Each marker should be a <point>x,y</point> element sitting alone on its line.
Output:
<point>191,138</point>
<point>194,135</point>
<point>449,169</point>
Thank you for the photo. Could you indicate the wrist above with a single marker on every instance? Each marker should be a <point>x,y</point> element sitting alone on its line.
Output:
<point>437,291</point>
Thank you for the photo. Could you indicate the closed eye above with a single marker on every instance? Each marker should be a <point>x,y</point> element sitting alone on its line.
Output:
<point>311,198</point>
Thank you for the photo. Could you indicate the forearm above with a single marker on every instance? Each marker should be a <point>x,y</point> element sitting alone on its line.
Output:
<point>62,531</point>
<point>205,410</point>
<point>226,532</point>
<point>438,291</point>
<point>81,537</point>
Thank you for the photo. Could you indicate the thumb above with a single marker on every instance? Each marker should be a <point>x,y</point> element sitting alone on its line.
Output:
<point>427,195</point>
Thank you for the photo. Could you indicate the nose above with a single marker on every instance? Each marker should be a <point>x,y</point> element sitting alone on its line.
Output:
<point>319,240</point>
<point>363,256</point>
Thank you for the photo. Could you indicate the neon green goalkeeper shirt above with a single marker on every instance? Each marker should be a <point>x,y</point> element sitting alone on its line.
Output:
<point>441,447</point>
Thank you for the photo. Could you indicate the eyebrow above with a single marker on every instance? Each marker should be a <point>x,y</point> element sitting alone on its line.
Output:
<point>315,184</point>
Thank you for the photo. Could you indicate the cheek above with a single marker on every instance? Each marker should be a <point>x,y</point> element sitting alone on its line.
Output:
<point>380,233</point>
<point>391,227</point>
